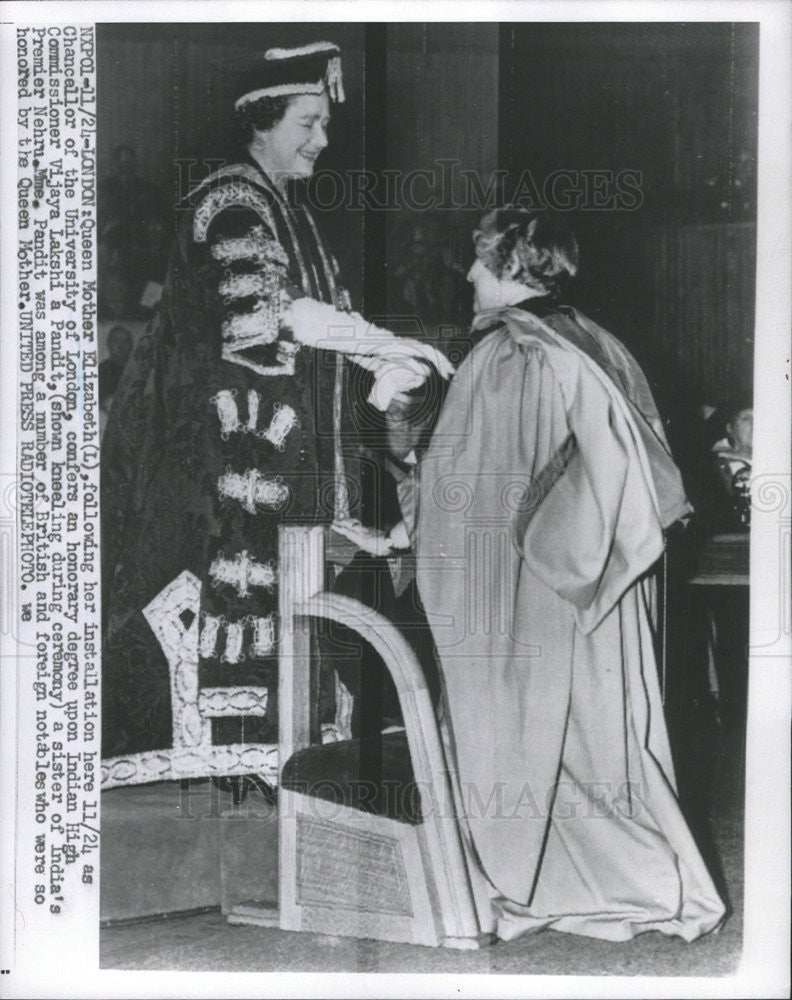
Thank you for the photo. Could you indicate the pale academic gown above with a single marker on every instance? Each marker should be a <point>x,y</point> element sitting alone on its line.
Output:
<point>542,502</point>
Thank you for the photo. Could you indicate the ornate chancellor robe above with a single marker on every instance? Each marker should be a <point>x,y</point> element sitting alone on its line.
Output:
<point>543,499</point>
<point>222,428</point>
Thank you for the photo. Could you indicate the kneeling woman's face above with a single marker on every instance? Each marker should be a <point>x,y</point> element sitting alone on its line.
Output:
<point>490,292</point>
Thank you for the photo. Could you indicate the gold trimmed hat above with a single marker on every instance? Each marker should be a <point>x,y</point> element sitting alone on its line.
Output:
<point>308,69</point>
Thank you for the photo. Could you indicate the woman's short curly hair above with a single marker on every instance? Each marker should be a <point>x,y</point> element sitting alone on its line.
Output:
<point>261,115</point>
<point>537,249</point>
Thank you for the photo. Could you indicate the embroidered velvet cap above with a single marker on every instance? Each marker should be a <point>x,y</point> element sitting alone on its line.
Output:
<point>309,69</point>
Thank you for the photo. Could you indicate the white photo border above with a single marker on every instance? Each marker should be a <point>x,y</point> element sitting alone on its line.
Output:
<point>764,970</point>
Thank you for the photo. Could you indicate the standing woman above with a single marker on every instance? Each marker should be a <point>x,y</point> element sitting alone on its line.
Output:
<point>233,416</point>
<point>543,500</point>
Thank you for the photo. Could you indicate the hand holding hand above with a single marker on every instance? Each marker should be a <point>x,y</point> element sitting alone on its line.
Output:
<point>370,540</point>
<point>322,326</point>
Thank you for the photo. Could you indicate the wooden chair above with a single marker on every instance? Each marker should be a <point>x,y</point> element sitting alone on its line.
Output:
<point>394,870</point>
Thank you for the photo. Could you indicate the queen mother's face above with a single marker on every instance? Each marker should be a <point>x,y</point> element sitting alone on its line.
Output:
<point>291,147</point>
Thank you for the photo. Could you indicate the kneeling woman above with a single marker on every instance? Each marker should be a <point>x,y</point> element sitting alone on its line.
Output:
<point>544,496</point>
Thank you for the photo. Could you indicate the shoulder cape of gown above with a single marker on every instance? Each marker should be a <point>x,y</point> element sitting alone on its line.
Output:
<point>543,499</point>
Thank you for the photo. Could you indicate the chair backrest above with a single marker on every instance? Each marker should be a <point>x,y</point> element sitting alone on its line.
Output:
<point>303,598</point>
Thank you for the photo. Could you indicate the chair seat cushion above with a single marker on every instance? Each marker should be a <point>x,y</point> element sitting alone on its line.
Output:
<point>351,773</point>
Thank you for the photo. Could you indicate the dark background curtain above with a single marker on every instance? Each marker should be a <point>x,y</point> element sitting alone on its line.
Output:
<point>673,276</point>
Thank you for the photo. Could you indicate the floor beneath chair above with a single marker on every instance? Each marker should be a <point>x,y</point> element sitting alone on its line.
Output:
<point>206,942</point>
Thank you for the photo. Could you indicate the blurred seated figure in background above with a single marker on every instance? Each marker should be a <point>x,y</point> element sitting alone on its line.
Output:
<point>721,561</point>
<point>732,455</point>
<point>427,283</point>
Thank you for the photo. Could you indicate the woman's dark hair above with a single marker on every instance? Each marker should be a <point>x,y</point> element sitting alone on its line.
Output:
<point>541,245</point>
<point>261,115</point>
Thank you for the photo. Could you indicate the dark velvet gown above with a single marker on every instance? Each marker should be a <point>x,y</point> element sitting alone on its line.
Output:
<point>222,428</point>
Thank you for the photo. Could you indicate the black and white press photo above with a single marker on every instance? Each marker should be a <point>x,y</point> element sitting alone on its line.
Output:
<point>390,507</point>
